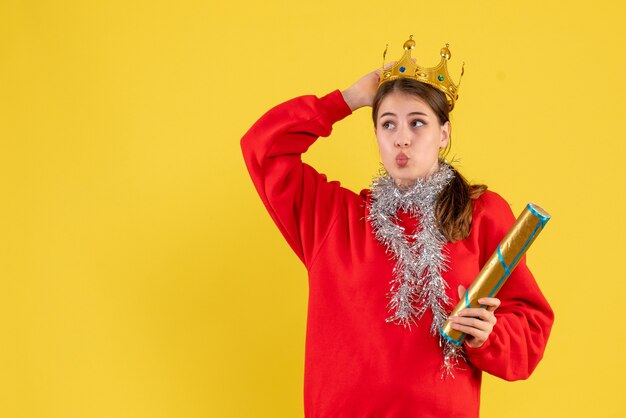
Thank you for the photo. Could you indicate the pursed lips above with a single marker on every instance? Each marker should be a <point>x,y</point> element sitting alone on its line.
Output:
<point>402,159</point>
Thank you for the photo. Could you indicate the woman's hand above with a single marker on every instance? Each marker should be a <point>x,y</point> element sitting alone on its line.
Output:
<point>477,323</point>
<point>362,92</point>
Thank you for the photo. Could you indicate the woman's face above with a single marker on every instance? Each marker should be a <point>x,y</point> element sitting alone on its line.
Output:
<point>409,137</point>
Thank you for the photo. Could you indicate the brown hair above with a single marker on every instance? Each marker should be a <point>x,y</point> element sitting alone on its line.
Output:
<point>453,208</point>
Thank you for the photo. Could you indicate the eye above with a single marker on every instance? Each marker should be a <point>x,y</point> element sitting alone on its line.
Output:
<point>417,123</point>
<point>388,125</point>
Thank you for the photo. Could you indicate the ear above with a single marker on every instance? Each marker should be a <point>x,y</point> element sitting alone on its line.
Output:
<point>445,134</point>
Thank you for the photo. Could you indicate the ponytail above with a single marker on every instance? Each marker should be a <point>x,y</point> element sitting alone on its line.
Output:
<point>453,209</point>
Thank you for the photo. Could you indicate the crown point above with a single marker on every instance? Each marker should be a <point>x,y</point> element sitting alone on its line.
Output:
<point>445,52</point>
<point>410,44</point>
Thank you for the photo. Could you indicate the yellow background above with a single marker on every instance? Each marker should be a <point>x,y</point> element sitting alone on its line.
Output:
<point>140,274</point>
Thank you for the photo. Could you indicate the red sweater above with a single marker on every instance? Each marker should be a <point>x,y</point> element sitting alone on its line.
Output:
<point>356,364</point>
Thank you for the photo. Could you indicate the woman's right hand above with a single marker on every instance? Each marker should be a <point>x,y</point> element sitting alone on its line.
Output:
<point>362,92</point>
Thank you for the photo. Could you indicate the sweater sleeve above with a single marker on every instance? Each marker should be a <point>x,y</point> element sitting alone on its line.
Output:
<point>524,318</point>
<point>302,203</point>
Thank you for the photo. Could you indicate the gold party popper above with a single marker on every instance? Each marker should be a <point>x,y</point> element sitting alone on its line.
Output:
<point>500,265</point>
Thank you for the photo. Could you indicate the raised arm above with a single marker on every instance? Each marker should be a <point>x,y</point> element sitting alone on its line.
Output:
<point>299,199</point>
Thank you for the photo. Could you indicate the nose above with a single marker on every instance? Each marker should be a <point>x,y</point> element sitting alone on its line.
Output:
<point>403,138</point>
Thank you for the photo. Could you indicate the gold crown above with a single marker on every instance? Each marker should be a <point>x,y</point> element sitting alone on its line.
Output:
<point>436,76</point>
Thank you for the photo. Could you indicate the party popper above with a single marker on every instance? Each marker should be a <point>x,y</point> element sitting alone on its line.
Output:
<point>500,265</point>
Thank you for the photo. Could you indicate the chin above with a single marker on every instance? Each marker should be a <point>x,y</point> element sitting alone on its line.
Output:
<point>404,182</point>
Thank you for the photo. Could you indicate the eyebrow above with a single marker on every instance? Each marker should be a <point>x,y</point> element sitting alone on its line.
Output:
<point>410,114</point>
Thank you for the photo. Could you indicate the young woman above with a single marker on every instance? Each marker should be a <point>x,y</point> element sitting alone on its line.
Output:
<point>400,253</point>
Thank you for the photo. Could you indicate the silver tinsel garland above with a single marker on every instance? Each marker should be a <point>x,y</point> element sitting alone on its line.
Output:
<point>417,284</point>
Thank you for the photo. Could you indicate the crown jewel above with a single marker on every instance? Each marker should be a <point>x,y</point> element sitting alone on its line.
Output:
<point>436,76</point>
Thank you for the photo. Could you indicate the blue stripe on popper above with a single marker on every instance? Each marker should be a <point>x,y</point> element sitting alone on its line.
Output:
<point>448,338</point>
<point>543,218</point>
<point>402,69</point>
<point>507,270</point>
<point>460,339</point>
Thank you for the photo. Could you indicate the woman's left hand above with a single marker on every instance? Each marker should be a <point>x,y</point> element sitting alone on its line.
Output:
<point>477,323</point>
